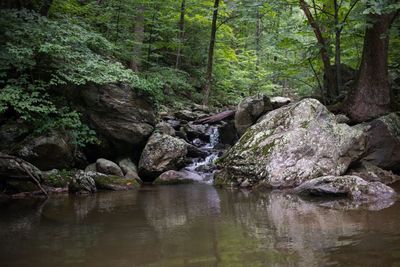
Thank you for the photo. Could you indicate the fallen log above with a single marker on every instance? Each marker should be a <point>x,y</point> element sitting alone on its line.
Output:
<point>227,114</point>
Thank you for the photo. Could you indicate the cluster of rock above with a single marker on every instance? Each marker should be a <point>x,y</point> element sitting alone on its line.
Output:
<point>134,142</point>
<point>304,146</point>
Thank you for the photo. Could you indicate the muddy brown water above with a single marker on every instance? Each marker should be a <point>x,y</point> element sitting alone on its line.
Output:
<point>197,225</point>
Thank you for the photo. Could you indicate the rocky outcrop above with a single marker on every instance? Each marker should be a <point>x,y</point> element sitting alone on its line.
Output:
<point>177,177</point>
<point>249,110</point>
<point>82,183</point>
<point>352,187</point>
<point>121,117</point>
<point>291,145</point>
<point>161,153</point>
<point>108,167</point>
<point>279,101</point>
<point>372,173</point>
<point>165,128</point>
<point>383,142</point>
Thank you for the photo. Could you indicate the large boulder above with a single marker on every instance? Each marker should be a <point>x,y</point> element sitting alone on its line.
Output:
<point>121,117</point>
<point>383,142</point>
<point>280,101</point>
<point>114,183</point>
<point>54,150</point>
<point>162,153</point>
<point>249,110</point>
<point>108,167</point>
<point>352,187</point>
<point>291,145</point>
<point>177,177</point>
<point>16,175</point>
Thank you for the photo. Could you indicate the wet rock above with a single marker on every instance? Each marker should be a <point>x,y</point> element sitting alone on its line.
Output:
<point>383,142</point>
<point>352,187</point>
<point>54,150</point>
<point>249,110</point>
<point>372,173</point>
<point>279,101</point>
<point>129,169</point>
<point>114,183</point>
<point>13,168</point>
<point>291,145</point>
<point>194,131</point>
<point>165,128</point>
<point>177,177</point>
<point>162,153</point>
<point>57,179</point>
<point>108,167</point>
<point>82,183</point>
<point>195,152</point>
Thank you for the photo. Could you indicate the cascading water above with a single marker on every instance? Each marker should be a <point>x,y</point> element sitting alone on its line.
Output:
<point>205,166</point>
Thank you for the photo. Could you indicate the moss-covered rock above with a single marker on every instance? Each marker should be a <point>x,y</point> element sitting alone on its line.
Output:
<point>291,145</point>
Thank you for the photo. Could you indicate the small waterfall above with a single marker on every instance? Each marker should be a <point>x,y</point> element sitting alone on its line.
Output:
<point>205,167</point>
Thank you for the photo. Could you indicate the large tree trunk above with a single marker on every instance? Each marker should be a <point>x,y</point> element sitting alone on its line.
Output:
<point>371,96</point>
<point>181,34</point>
<point>207,87</point>
<point>138,31</point>
<point>328,72</point>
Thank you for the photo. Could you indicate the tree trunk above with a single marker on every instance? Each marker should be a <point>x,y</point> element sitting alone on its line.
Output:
<point>207,87</point>
<point>138,31</point>
<point>328,73</point>
<point>371,96</point>
<point>181,34</point>
<point>338,51</point>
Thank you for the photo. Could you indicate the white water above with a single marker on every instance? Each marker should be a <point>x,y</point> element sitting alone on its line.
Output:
<point>205,167</point>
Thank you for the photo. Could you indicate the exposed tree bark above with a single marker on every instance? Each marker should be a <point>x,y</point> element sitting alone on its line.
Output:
<point>138,31</point>
<point>44,9</point>
<point>217,117</point>
<point>371,96</point>
<point>329,75</point>
<point>181,34</point>
<point>207,87</point>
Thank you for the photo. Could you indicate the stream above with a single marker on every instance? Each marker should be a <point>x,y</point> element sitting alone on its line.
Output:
<point>195,225</point>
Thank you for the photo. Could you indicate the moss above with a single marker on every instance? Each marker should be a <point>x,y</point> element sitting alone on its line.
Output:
<point>60,179</point>
<point>267,148</point>
<point>111,182</point>
<point>305,124</point>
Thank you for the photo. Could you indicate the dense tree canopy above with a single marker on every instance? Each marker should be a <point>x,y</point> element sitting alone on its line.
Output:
<point>179,51</point>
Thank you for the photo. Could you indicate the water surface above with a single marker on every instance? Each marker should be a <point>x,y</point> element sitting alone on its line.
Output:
<point>196,225</point>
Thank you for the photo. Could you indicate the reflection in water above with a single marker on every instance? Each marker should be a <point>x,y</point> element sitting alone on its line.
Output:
<point>195,225</point>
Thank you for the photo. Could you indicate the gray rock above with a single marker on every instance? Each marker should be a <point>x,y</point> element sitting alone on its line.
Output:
<point>91,168</point>
<point>118,114</point>
<point>196,131</point>
<point>279,101</point>
<point>82,183</point>
<point>291,145</point>
<point>54,150</point>
<point>188,115</point>
<point>13,168</point>
<point>129,169</point>
<point>108,167</point>
<point>372,173</point>
<point>177,177</point>
<point>249,110</point>
<point>165,128</point>
<point>113,183</point>
<point>162,153</point>
<point>383,142</point>
<point>352,187</point>
<point>227,133</point>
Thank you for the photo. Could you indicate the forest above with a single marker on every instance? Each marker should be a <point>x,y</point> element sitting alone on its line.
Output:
<point>235,132</point>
